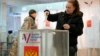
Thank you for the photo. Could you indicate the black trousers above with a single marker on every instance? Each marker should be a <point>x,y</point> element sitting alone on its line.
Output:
<point>61,45</point>
<point>63,52</point>
<point>73,51</point>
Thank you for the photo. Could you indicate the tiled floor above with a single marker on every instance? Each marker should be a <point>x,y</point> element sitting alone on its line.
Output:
<point>89,52</point>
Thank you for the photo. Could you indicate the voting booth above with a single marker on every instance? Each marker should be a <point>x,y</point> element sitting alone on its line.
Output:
<point>43,43</point>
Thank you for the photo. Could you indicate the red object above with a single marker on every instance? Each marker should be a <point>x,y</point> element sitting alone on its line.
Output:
<point>31,51</point>
<point>89,23</point>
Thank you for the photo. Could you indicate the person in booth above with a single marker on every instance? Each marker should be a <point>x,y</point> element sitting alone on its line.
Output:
<point>47,23</point>
<point>70,20</point>
<point>29,24</point>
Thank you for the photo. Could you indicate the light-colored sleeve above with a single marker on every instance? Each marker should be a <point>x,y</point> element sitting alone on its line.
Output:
<point>27,24</point>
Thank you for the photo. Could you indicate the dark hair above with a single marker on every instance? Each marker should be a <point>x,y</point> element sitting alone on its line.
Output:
<point>76,5</point>
<point>47,11</point>
<point>10,32</point>
<point>32,11</point>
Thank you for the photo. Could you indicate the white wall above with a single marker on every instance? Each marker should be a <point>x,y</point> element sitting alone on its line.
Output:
<point>53,7</point>
<point>91,36</point>
<point>3,15</point>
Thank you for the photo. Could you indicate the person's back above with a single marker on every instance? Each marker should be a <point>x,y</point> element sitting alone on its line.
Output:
<point>10,38</point>
<point>28,24</point>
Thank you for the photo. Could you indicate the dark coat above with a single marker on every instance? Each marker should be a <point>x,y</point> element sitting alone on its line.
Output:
<point>75,21</point>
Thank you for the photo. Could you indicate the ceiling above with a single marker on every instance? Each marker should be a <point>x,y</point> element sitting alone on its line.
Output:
<point>46,1</point>
<point>16,5</point>
<point>29,2</point>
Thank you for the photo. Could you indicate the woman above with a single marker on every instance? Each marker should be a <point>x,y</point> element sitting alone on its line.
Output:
<point>70,20</point>
<point>29,24</point>
<point>47,23</point>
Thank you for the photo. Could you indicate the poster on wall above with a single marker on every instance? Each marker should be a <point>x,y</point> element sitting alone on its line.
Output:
<point>89,23</point>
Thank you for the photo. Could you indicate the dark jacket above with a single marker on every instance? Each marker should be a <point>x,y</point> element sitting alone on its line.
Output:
<point>75,21</point>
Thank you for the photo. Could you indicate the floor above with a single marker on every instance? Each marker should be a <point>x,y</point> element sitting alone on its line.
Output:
<point>89,52</point>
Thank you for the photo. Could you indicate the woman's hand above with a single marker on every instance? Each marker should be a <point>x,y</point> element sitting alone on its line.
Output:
<point>66,26</point>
